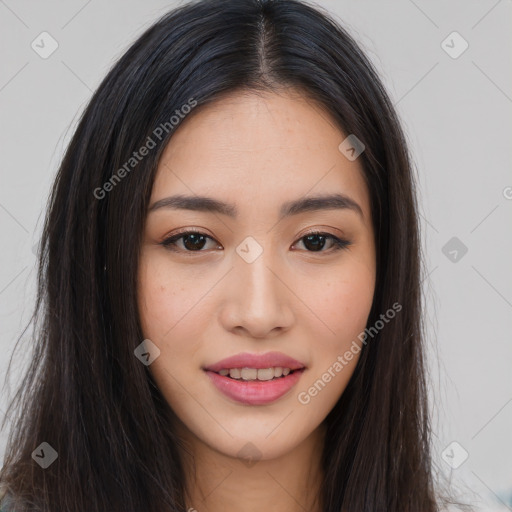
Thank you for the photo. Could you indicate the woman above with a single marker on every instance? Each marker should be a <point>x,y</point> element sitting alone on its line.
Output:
<point>229,283</point>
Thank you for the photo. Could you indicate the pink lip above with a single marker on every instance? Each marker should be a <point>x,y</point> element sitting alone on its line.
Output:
<point>247,360</point>
<point>255,392</point>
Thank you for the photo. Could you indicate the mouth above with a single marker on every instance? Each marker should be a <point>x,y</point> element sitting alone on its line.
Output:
<point>255,379</point>
<point>252,366</point>
<point>254,391</point>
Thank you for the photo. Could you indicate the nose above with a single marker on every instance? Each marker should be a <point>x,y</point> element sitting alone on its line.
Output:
<point>258,300</point>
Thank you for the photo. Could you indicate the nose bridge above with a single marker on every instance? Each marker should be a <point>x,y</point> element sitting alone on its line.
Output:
<point>258,298</point>
<point>254,276</point>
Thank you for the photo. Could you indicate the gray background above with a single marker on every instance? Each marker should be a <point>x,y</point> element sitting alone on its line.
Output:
<point>457,116</point>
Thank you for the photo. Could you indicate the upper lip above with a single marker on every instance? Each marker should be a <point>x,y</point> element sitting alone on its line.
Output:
<point>247,360</point>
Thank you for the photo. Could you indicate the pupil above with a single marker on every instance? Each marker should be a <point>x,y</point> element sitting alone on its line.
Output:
<point>316,246</point>
<point>194,245</point>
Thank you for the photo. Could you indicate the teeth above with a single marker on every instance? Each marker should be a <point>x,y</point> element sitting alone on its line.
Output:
<point>255,373</point>
<point>235,373</point>
<point>249,373</point>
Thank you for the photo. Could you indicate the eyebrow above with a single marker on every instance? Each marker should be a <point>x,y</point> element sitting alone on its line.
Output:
<point>305,204</point>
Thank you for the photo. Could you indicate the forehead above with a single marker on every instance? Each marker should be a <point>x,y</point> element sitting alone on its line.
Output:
<point>259,150</point>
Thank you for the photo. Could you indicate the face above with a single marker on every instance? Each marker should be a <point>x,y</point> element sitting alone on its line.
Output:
<point>256,277</point>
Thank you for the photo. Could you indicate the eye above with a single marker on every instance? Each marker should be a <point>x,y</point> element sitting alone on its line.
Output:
<point>316,241</point>
<point>195,241</point>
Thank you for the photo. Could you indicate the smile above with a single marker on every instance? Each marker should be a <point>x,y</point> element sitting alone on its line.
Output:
<point>255,391</point>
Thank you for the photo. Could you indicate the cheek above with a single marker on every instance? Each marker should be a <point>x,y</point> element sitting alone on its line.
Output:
<point>351,301</point>
<point>344,303</point>
<point>157,302</point>
<point>342,298</point>
<point>347,301</point>
<point>164,297</point>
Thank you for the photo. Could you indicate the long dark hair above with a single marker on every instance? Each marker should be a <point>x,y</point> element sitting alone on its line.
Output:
<point>87,396</point>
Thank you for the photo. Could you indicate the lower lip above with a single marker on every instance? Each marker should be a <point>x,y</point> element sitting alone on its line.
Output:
<point>255,392</point>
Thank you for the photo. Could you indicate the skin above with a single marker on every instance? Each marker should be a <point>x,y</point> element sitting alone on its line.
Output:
<point>255,151</point>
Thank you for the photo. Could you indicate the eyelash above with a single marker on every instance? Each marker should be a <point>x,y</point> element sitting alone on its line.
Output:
<point>338,243</point>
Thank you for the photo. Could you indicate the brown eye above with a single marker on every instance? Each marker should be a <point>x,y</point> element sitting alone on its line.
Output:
<point>315,242</point>
<point>193,241</point>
